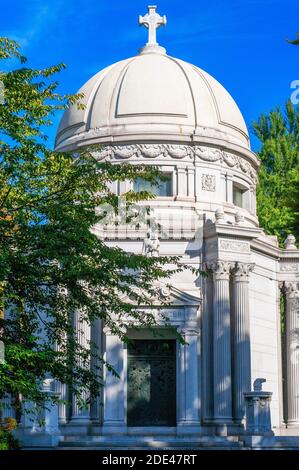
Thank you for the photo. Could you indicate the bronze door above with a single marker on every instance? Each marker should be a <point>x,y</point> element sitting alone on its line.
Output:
<point>152,383</point>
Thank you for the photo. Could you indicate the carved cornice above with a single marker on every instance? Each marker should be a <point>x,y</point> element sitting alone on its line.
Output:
<point>241,271</point>
<point>176,151</point>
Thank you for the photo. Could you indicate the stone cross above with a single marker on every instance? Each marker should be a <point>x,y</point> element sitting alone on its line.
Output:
<point>152,21</point>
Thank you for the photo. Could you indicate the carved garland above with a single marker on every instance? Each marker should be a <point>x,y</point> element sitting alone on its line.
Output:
<point>207,154</point>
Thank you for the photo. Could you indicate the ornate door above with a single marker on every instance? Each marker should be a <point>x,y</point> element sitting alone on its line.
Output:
<point>152,383</point>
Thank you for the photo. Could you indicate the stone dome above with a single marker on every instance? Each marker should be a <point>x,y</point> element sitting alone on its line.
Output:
<point>153,97</point>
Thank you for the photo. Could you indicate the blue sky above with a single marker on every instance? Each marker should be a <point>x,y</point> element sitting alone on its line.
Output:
<point>240,42</point>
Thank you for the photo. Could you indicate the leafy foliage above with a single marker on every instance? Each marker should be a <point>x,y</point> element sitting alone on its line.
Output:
<point>51,263</point>
<point>277,192</point>
<point>7,440</point>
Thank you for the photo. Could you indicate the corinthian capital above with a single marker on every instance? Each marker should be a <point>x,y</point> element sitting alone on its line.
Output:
<point>241,271</point>
<point>291,289</point>
<point>221,269</point>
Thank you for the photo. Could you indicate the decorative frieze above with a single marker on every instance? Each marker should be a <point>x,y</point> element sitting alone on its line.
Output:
<point>176,151</point>
<point>289,267</point>
<point>235,246</point>
<point>208,183</point>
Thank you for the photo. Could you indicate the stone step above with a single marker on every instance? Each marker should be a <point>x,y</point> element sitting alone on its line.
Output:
<point>150,442</point>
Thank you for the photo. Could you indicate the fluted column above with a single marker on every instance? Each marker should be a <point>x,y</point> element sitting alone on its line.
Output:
<point>61,391</point>
<point>61,388</point>
<point>207,350</point>
<point>241,338</point>
<point>81,414</point>
<point>222,343</point>
<point>292,352</point>
<point>96,366</point>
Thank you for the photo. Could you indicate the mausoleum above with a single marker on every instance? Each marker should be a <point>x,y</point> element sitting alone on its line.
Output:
<point>159,110</point>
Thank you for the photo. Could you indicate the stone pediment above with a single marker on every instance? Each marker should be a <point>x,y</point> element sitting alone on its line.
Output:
<point>170,296</point>
<point>181,298</point>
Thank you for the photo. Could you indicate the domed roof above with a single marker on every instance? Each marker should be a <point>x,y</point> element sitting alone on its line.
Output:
<point>152,97</point>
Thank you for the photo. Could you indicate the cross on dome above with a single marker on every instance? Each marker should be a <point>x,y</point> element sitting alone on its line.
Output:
<point>152,21</point>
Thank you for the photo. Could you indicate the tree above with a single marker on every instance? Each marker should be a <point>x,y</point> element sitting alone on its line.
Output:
<point>51,262</point>
<point>295,42</point>
<point>277,192</point>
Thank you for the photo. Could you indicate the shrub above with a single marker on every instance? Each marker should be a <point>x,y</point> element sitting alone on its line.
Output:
<point>7,440</point>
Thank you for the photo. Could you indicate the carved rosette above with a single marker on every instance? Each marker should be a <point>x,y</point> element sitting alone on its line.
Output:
<point>241,271</point>
<point>176,151</point>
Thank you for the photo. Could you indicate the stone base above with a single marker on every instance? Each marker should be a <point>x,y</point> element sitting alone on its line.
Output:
<point>289,431</point>
<point>191,428</point>
<point>37,439</point>
<point>81,427</point>
<point>223,427</point>
<point>271,442</point>
<point>151,442</point>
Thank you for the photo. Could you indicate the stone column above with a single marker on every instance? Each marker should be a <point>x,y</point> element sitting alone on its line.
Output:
<point>61,389</point>
<point>114,389</point>
<point>241,338</point>
<point>222,343</point>
<point>96,365</point>
<point>189,403</point>
<point>207,350</point>
<point>81,415</point>
<point>292,352</point>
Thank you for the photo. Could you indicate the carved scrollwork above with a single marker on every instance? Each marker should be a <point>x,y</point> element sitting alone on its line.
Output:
<point>208,154</point>
<point>176,151</point>
<point>103,153</point>
<point>124,151</point>
<point>230,160</point>
<point>291,288</point>
<point>241,271</point>
<point>151,150</point>
<point>221,269</point>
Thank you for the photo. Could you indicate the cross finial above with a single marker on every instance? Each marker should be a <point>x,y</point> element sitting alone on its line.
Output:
<point>152,21</point>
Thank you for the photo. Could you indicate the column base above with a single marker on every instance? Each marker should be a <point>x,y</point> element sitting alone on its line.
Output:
<point>292,424</point>
<point>84,421</point>
<point>223,426</point>
<point>115,428</point>
<point>189,427</point>
<point>78,426</point>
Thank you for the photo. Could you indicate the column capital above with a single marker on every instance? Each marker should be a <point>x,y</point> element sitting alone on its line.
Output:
<point>241,271</point>
<point>189,330</point>
<point>291,288</point>
<point>221,269</point>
